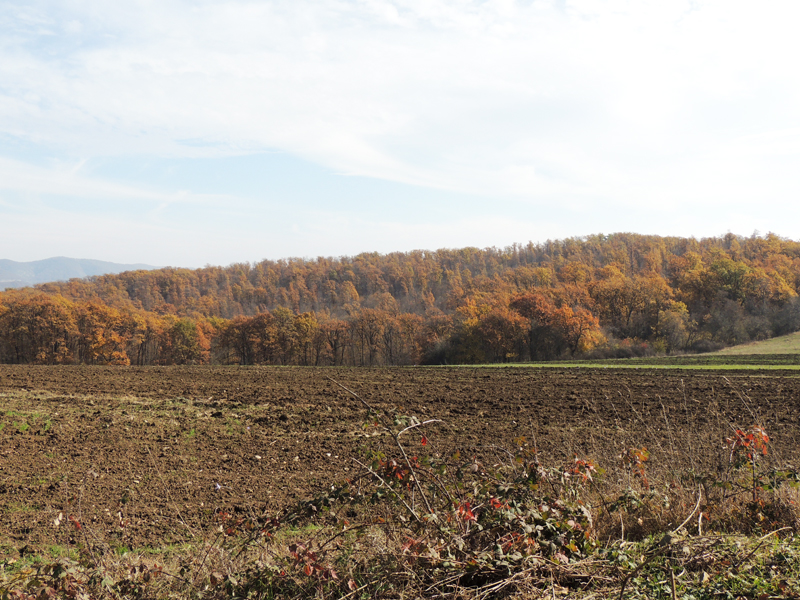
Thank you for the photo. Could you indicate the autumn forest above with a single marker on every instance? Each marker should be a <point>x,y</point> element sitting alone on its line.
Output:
<point>617,295</point>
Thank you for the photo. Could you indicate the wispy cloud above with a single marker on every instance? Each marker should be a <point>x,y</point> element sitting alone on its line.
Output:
<point>364,86</point>
<point>589,103</point>
<point>68,180</point>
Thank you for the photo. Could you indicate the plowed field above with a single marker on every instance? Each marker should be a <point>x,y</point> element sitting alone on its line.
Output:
<point>145,456</point>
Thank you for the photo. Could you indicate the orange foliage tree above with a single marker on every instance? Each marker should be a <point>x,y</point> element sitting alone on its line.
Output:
<point>448,305</point>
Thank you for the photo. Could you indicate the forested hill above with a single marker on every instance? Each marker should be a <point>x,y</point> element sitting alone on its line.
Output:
<point>421,279</point>
<point>616,294</point>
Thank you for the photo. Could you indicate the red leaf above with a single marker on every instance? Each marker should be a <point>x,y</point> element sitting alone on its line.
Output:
<point>424,441</point>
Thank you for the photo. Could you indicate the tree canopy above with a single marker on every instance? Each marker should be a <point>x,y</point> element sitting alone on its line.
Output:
<point>607,295</point>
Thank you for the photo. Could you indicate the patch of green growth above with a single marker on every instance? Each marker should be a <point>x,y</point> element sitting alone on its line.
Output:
<point>19,507</point>
<point>677,365</point>
<point>58,551</point>
<point>233,426</point>
<point>707,567</point>
<point>695,362</point>
<point>785,344</point>
<point>168,549</point>
<point>23,422</point>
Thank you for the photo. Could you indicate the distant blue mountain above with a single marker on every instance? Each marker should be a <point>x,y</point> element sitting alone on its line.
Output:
<point>21,274</point>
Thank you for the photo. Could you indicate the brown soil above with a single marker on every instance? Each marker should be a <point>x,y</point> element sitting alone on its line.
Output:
<point>146,456</point>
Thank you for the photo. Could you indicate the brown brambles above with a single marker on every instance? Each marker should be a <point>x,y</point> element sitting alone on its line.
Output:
<point>749,442</point>
<point>754,439</point>
<point>465,512</point>
<point>634,459</point>
<point>581,469</point>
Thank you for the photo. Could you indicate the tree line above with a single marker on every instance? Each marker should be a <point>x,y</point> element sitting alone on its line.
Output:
<point>616,295</point>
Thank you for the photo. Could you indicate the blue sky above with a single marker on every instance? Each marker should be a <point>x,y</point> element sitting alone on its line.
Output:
<point>210,132</point>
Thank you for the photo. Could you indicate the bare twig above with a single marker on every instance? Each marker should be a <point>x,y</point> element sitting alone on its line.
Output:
<point>356,396</point>
<point>761,541</point>
<point>415,425</point>
<point>396,437</point>
<point>383,481</point>
<point>743,399</point>
<point>694,510</point>
<point>413,471</point>
<point>171,504</point>
<point>777,531</point>
<point>672,583</point>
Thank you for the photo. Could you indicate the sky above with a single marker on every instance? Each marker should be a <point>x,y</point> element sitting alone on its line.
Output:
<point>187,133</point>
